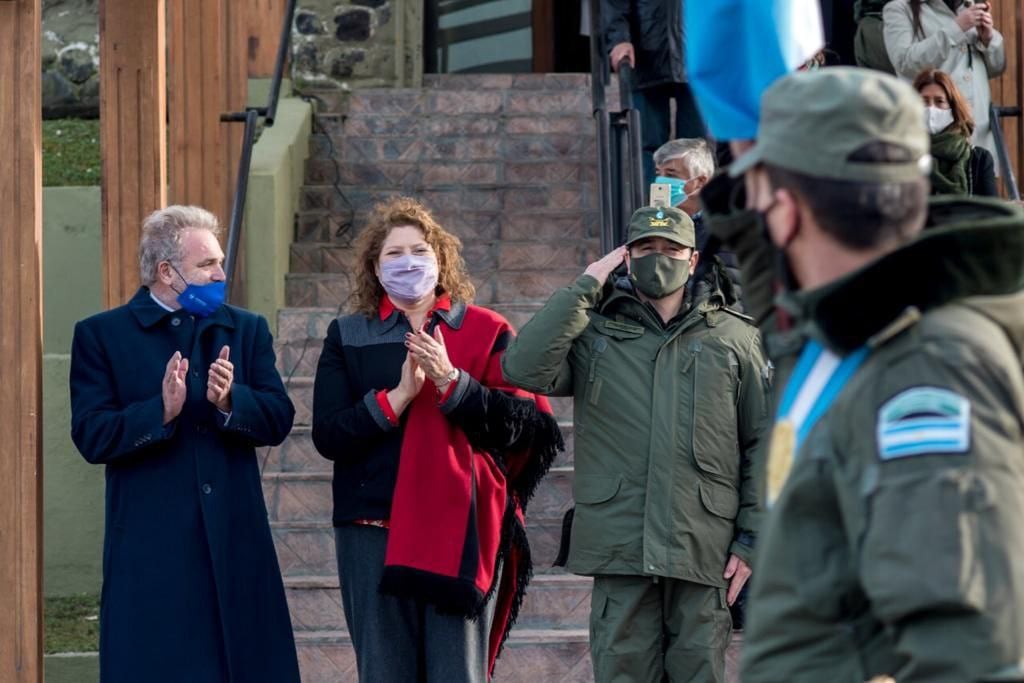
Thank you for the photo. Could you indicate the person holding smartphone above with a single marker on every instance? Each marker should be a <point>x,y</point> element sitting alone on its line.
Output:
<point>957,37</point>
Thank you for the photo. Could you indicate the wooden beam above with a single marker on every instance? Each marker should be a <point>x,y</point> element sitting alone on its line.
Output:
<point>1008,90</point>
<point>207,77</point>
<point>262,27</point>
<point>21,344</point>
<point>133,133</point>
<point>543,18</point>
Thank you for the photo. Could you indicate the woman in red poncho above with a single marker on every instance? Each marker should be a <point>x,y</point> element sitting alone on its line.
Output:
<point>435,458</point>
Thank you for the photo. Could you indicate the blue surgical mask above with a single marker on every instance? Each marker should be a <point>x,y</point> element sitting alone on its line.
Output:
<point>677,187</point>
<point>200,300</point>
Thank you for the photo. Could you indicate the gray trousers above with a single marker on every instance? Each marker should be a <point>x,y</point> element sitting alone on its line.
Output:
<point>399,640</point>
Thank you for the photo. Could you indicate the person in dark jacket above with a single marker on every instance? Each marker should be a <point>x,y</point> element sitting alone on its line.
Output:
<point>649,35</point>
<point>172,392</point>
<point>958,166</point>
<point>410,404</point>
<point>869,42</point>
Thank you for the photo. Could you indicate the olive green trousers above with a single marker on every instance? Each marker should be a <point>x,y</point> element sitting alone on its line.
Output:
<point>649,630</point>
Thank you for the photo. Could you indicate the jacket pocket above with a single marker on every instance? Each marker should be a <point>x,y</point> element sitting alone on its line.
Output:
<point>720,500</point>
<point>714,440</point>
<point>593,490</point>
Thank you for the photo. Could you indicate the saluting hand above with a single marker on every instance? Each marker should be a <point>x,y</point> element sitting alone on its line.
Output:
<point>173,389</point>
<point>221,379</point>
<point>601,269</point>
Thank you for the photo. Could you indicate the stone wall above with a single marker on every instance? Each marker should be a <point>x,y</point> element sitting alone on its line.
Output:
<point>71,58</point>
<point>357,43</point>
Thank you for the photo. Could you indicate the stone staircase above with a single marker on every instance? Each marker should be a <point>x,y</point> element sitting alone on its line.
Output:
<point>508,164</point>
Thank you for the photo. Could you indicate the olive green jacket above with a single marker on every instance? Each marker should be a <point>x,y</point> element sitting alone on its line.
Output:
<point>875,563</point>
<point>668,424</point>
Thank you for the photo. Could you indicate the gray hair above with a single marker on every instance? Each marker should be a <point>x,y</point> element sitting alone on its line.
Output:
<point>696,151</point>
<point>162,234</point>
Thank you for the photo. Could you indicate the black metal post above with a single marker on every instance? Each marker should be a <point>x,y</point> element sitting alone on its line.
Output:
<point>598,74</point>
<point>633,152</point>
<point>238,208</point>
<point>282,57</point>
<point>1005,166</point>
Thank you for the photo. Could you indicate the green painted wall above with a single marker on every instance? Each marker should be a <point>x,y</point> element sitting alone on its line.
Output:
<point>72,489</point>
<point>275,177</point>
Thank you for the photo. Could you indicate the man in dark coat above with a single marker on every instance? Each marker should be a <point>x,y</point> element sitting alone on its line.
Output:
<point>173,392</point>
<point>649,35</point>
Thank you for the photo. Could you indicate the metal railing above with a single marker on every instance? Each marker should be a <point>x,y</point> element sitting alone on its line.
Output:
<point>1006,172</point>
<point>619,152</point>
<point>251,117</point>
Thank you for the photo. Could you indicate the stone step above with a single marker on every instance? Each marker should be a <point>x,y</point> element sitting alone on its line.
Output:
<point>298,455</point>
<point>567,197</point>
<point>322,225</point>
<point>335,100</point>
<point>552,601</point>
<point>415,176</point>
<point>579,146</point>
<point>480,257</point>
<point>300,390</point>
<point>529,656</point>
<point>307,548</point>
<point>306,496</point>
<point>434,125</point>
<point>332,290</point>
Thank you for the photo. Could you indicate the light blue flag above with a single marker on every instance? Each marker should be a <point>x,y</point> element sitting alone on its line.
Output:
<point>735,49</point>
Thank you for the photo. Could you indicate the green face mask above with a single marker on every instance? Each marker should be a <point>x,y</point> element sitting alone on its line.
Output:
<point>657,275</point>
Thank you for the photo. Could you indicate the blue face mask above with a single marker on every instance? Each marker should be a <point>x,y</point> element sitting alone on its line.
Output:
<point>678,189</point>
<point>201,300</point>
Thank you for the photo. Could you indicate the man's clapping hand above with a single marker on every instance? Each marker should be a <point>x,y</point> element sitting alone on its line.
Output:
<point>174,389</point>
<point>221,379</point>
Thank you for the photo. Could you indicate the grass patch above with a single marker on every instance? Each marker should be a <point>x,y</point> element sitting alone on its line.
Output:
<point>71,152</point>
<point>72,624</point>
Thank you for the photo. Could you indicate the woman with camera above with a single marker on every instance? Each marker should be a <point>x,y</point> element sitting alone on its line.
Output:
<point>955,36</point>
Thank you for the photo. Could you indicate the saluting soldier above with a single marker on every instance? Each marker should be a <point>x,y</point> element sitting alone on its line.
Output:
<point>671,402</point>
<point>894,543</point>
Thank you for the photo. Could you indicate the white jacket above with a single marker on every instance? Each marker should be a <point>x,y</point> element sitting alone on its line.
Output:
<point>948,48</point>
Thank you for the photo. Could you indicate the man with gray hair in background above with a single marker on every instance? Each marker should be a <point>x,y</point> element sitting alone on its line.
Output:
<point>173,392</point>
<point>687,165</point>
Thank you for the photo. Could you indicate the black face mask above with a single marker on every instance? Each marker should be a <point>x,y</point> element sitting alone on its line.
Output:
<point>783,272</point>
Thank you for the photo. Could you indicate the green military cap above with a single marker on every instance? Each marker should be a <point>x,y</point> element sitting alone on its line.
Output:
<point>815,123</point>
<point>658,221</point>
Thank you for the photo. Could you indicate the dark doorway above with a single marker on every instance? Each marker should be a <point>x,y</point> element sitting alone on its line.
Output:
<point>558,46</point>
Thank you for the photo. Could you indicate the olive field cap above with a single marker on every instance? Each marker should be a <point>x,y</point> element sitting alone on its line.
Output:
<point>818,123</point>
<point>662,221</point>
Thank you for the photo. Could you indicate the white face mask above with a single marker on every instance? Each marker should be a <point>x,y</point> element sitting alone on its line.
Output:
<point>939,119</point>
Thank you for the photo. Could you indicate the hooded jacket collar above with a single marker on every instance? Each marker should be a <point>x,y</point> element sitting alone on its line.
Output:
<point>970,248</point>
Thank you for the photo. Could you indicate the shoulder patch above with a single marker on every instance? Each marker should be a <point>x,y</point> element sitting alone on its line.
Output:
<point>924,421</point>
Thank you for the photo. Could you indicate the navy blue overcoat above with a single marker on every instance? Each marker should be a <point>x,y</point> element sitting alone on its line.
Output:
<point>192,589</point>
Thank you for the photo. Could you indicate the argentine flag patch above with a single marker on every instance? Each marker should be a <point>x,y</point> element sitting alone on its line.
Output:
<point>924,421</point>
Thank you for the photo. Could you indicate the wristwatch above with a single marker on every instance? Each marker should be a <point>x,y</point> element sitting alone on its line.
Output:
<point>448,379</point>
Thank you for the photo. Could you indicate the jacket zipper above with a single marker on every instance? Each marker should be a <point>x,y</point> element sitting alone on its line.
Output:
<point>599,346</point>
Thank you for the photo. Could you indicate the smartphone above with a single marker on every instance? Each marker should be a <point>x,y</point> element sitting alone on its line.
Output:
<point>661,194</point>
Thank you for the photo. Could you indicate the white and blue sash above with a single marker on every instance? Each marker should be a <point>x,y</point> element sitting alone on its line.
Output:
<point>817,380</point>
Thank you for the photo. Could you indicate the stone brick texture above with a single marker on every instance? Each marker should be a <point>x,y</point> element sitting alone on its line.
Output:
<point>507,163</point>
